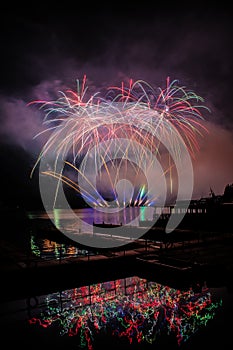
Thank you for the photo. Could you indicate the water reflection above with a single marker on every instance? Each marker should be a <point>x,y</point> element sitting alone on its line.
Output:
<point>132,309</point>
<point>48,249</point>
<point>43,242</point>
<point>124,216</point>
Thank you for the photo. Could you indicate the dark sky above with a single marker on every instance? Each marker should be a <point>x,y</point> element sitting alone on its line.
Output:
<point>44,50</point>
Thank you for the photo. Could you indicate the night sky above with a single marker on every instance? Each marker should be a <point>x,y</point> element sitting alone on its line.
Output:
<point>45,50</point>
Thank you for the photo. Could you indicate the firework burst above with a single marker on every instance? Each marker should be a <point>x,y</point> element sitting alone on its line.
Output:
<point>96,126</point>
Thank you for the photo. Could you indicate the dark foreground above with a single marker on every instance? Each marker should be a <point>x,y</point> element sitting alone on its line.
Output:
<point>25,277</point>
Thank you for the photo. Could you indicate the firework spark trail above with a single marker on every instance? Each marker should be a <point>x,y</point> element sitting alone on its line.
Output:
<point>173,104</point>
<point>120,136</point>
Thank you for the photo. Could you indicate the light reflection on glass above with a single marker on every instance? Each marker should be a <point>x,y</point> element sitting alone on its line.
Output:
<point>132,308</point>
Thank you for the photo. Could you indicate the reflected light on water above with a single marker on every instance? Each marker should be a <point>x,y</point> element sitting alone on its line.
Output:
<point>48,249</point>
<point>132,309</point>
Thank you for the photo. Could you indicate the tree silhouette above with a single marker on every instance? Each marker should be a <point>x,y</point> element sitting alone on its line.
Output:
<point>228,193</point>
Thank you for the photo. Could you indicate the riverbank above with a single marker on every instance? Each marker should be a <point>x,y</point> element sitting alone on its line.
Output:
<point>26,277</point>
<point>26,274</point>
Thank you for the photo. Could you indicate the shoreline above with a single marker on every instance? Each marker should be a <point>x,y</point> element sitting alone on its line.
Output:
<point>207,257</point>
<point>24,275</point>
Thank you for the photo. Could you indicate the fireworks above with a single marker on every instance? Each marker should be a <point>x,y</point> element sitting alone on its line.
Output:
<point>102,140</point>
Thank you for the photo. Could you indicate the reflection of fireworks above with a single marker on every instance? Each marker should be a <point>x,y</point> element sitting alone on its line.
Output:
<point>82,126</point>
<point>133,308</point>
